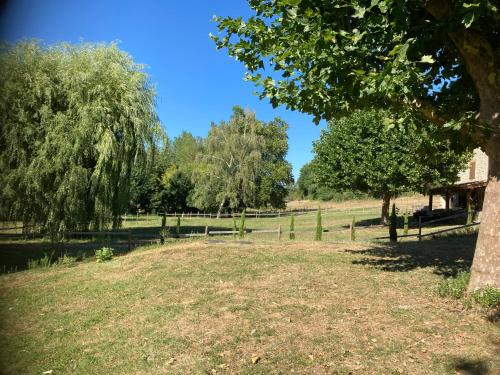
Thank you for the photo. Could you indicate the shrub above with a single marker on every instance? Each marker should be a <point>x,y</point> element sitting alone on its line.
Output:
<point>104,254</point>
<point>319,227</point>
<point>40,263</point>
<point>353,229</point>
<point>65,260</point>
<point>405,227</point>
<point>242,224</point>
<point>488,297</point>
<point>454,287</point>
<point>292,227</point>
<point>163,220</point>
<point>393,233</point>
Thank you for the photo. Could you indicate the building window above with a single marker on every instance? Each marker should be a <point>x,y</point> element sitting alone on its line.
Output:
<point>472,170</point>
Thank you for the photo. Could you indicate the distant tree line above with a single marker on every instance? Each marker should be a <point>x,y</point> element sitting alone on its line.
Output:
<point>241,163</point>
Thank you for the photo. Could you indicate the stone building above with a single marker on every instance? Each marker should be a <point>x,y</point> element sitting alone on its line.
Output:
<point>469,187</point>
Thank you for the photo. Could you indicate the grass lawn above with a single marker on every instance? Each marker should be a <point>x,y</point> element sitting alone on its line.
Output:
<point>16,250</point>
<point>290,307</point>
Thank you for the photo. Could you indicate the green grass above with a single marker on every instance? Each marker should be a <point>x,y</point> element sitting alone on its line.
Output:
<point>16,253</point>
<point>196,307</point>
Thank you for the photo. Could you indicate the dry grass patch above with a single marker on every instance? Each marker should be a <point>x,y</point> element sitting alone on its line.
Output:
<point>197,307</point>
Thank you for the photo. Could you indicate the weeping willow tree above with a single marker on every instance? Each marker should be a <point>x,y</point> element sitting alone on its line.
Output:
<point>227,172</point>
<point>73,121</point>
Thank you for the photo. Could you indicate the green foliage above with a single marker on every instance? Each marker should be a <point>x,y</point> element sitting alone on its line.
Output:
<point>146,177</point>
<point>43,262</point>
<point>358,152</point>
<point>405,227</point>
<point>331,58</point>
<point>178,225</point>
<point>104,254</point>
<point>184,150</point>
<point>174,191</point>
<point>310,188</point>
<point>292,227</point>
<point>242,224</point>
<point>353,229</point>
<point>73,121</point>
<point>454,287</point>
<point>488,297</point>
<point>65,260</point>
<point>319,228</point>
<point>393,233</point>
<point>242,164</point>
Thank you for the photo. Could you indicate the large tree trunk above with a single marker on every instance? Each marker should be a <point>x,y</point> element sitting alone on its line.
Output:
<point>386,203</point>
<point>486,264</point>
<point>482,65</point>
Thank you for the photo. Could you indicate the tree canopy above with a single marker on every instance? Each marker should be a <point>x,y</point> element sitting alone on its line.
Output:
<point>358,152</point>
<point>242,164</point>
<point>73,120</point>
<point>330,57</point>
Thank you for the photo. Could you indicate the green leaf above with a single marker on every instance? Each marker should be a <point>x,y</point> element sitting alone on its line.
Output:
<point>427,59</point>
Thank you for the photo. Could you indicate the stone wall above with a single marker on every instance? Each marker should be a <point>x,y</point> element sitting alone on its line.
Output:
<point>481,168</point>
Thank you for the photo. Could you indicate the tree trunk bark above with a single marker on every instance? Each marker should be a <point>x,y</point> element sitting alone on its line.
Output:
<point>220,207</point>
<point>479,55</point>
<point>486,264</point>
<point>386,203</point>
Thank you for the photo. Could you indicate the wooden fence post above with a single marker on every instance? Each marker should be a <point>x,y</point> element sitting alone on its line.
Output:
<point>206,230</point>
<point>420,228</point>
<point>279,232</point>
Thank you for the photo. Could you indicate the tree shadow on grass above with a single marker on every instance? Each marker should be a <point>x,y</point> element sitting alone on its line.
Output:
<point>445,255</point>
<point>465,366</point>
<point>16,251</point>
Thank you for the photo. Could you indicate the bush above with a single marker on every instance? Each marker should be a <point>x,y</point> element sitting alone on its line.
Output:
<point>104,254</point>
<point>405,226</point>
<point>65,260</point>
<point>353,229</point>
<point>488,297</point>
<point>454,287</point>
<point>242,224</point>
<point>40,263</point>
<point>319,227</point>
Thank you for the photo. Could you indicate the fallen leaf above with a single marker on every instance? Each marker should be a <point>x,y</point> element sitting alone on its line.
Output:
<point>255,358</point>
<point>48,372</point>
<point>253,332</point>
<point>171,361</point>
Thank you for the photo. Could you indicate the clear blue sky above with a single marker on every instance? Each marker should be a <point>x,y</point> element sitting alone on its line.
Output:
<point>196,84</point>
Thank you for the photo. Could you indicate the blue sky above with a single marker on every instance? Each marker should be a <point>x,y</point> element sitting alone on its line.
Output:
<point>196,84</point>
